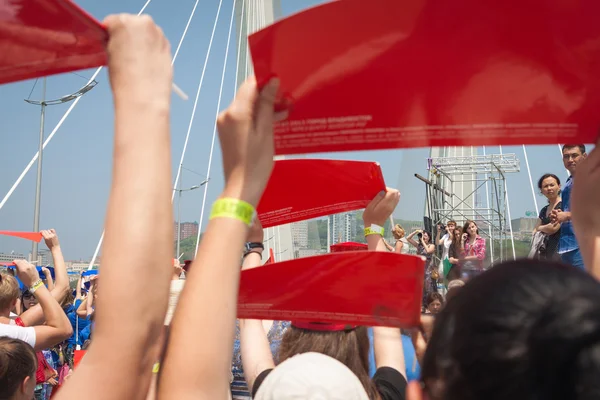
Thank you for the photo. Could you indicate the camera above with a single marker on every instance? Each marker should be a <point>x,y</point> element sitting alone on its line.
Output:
<point>419,235</point>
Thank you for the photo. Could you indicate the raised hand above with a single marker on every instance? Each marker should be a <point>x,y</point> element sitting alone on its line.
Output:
<point>26,272</point>
<point>256,232</point>
<point>50,238</point>
<point>381,207</point>
<point>139,53</point>
<point>246,136</point>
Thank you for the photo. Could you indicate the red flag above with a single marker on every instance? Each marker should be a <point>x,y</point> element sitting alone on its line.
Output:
<point>77,357</point>
<point>303,189</point>
<point>357,288</point>
<point>417,73</point>
<point>348,246</point>
<point>271,258</point>
<point>33,236</point>
<point>46,37</point>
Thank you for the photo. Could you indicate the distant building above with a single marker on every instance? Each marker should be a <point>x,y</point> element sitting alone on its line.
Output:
<point>7,258</point>
<point>44,258</point>
<point>301,253</point>
<point>79,267</point>
<point>342,227</point>
<point>300,234</point>
<point>188,229</point>
<point>523,225</point>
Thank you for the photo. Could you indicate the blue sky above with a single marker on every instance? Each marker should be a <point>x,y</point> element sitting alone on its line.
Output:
<point>77,163</point>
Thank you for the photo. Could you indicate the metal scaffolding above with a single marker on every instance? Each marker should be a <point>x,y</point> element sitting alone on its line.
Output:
<point>486,203</point>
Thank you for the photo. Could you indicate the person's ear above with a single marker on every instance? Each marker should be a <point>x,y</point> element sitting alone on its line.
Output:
<point>23,387</point>
<point>414,391</point>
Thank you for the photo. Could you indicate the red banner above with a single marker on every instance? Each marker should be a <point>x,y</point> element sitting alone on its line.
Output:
<point>417,73</point>
<point>303,189</point>
<point>348,246</point>
<point>358,288</point>
<point>46,37</point>
<point>33,236</point>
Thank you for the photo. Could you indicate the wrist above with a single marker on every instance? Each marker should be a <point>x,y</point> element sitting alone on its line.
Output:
<point>55,248</point>
<point>237,191</point>
<point>369,222</point>
<point>140,98</point>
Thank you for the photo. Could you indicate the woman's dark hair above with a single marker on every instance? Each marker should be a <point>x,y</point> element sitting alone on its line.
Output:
<point>431,297</point>
<point>428,235</point>
<point>546,176</point>
<point>17,361</point>
<point>456,243</point>
<point>351,348</point>
<point>526,329</point>
<point>466,227</point>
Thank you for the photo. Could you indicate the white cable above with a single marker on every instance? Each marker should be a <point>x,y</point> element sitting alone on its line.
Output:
<point>214,135</point>
<point>490,226</point>
<point>191,123</point>
<point>183,35</point>
<point>98,246</point>
<point>237,64</point>
<point>512,238</point>
<point>184,32</point>
<point>56,128</point>
<point>530,180</point>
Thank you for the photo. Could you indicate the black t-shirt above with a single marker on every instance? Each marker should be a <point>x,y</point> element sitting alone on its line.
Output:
<point>390,383</point>
<point>552,243</point>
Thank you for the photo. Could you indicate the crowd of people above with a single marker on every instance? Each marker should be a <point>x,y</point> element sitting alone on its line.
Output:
<point>527,329</point>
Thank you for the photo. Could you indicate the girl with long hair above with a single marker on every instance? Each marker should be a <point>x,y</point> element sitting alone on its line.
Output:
<point>474,250</point>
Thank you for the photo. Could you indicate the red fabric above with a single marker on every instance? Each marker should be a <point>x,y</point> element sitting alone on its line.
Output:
<point>46,37</point>
<point>77,357</point>
<point>323,327</point>
<point>33,236</point>
<point>19,321</point>
<point>355,288</point>
<point>348,246</point>
<point>382,74</point>
<point>299,190</point>
<point>40,375</point>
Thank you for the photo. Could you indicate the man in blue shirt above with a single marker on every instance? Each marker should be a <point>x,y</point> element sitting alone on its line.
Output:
<point>568,248</point>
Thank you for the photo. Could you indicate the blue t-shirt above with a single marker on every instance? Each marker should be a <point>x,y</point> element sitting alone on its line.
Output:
<point>567,241</point>
<point>409,358</point>
<point>83,323</point>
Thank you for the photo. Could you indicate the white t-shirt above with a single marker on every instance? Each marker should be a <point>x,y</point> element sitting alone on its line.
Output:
<point>405,245</point>
<point>447,242</point>
<point>26,334</point>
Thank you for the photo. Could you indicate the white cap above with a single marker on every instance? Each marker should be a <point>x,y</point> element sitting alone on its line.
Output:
<point>311,376</point>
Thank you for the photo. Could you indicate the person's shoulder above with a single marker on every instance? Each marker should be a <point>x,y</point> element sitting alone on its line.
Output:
<point>390,383</point>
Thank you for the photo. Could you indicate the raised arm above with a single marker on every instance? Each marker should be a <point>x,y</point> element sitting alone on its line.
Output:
<point>139,220</point>
<point>439,241</point>
<point>586,214</point>
<point>254,343</point>
<point>209,298</point>
<point>410,239</point>
<point>82,309</point>
<point>35,315</point>
<point>57,327</point>
<point>89,301</point>
<point>49,280</point>
<point>387,342</point>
